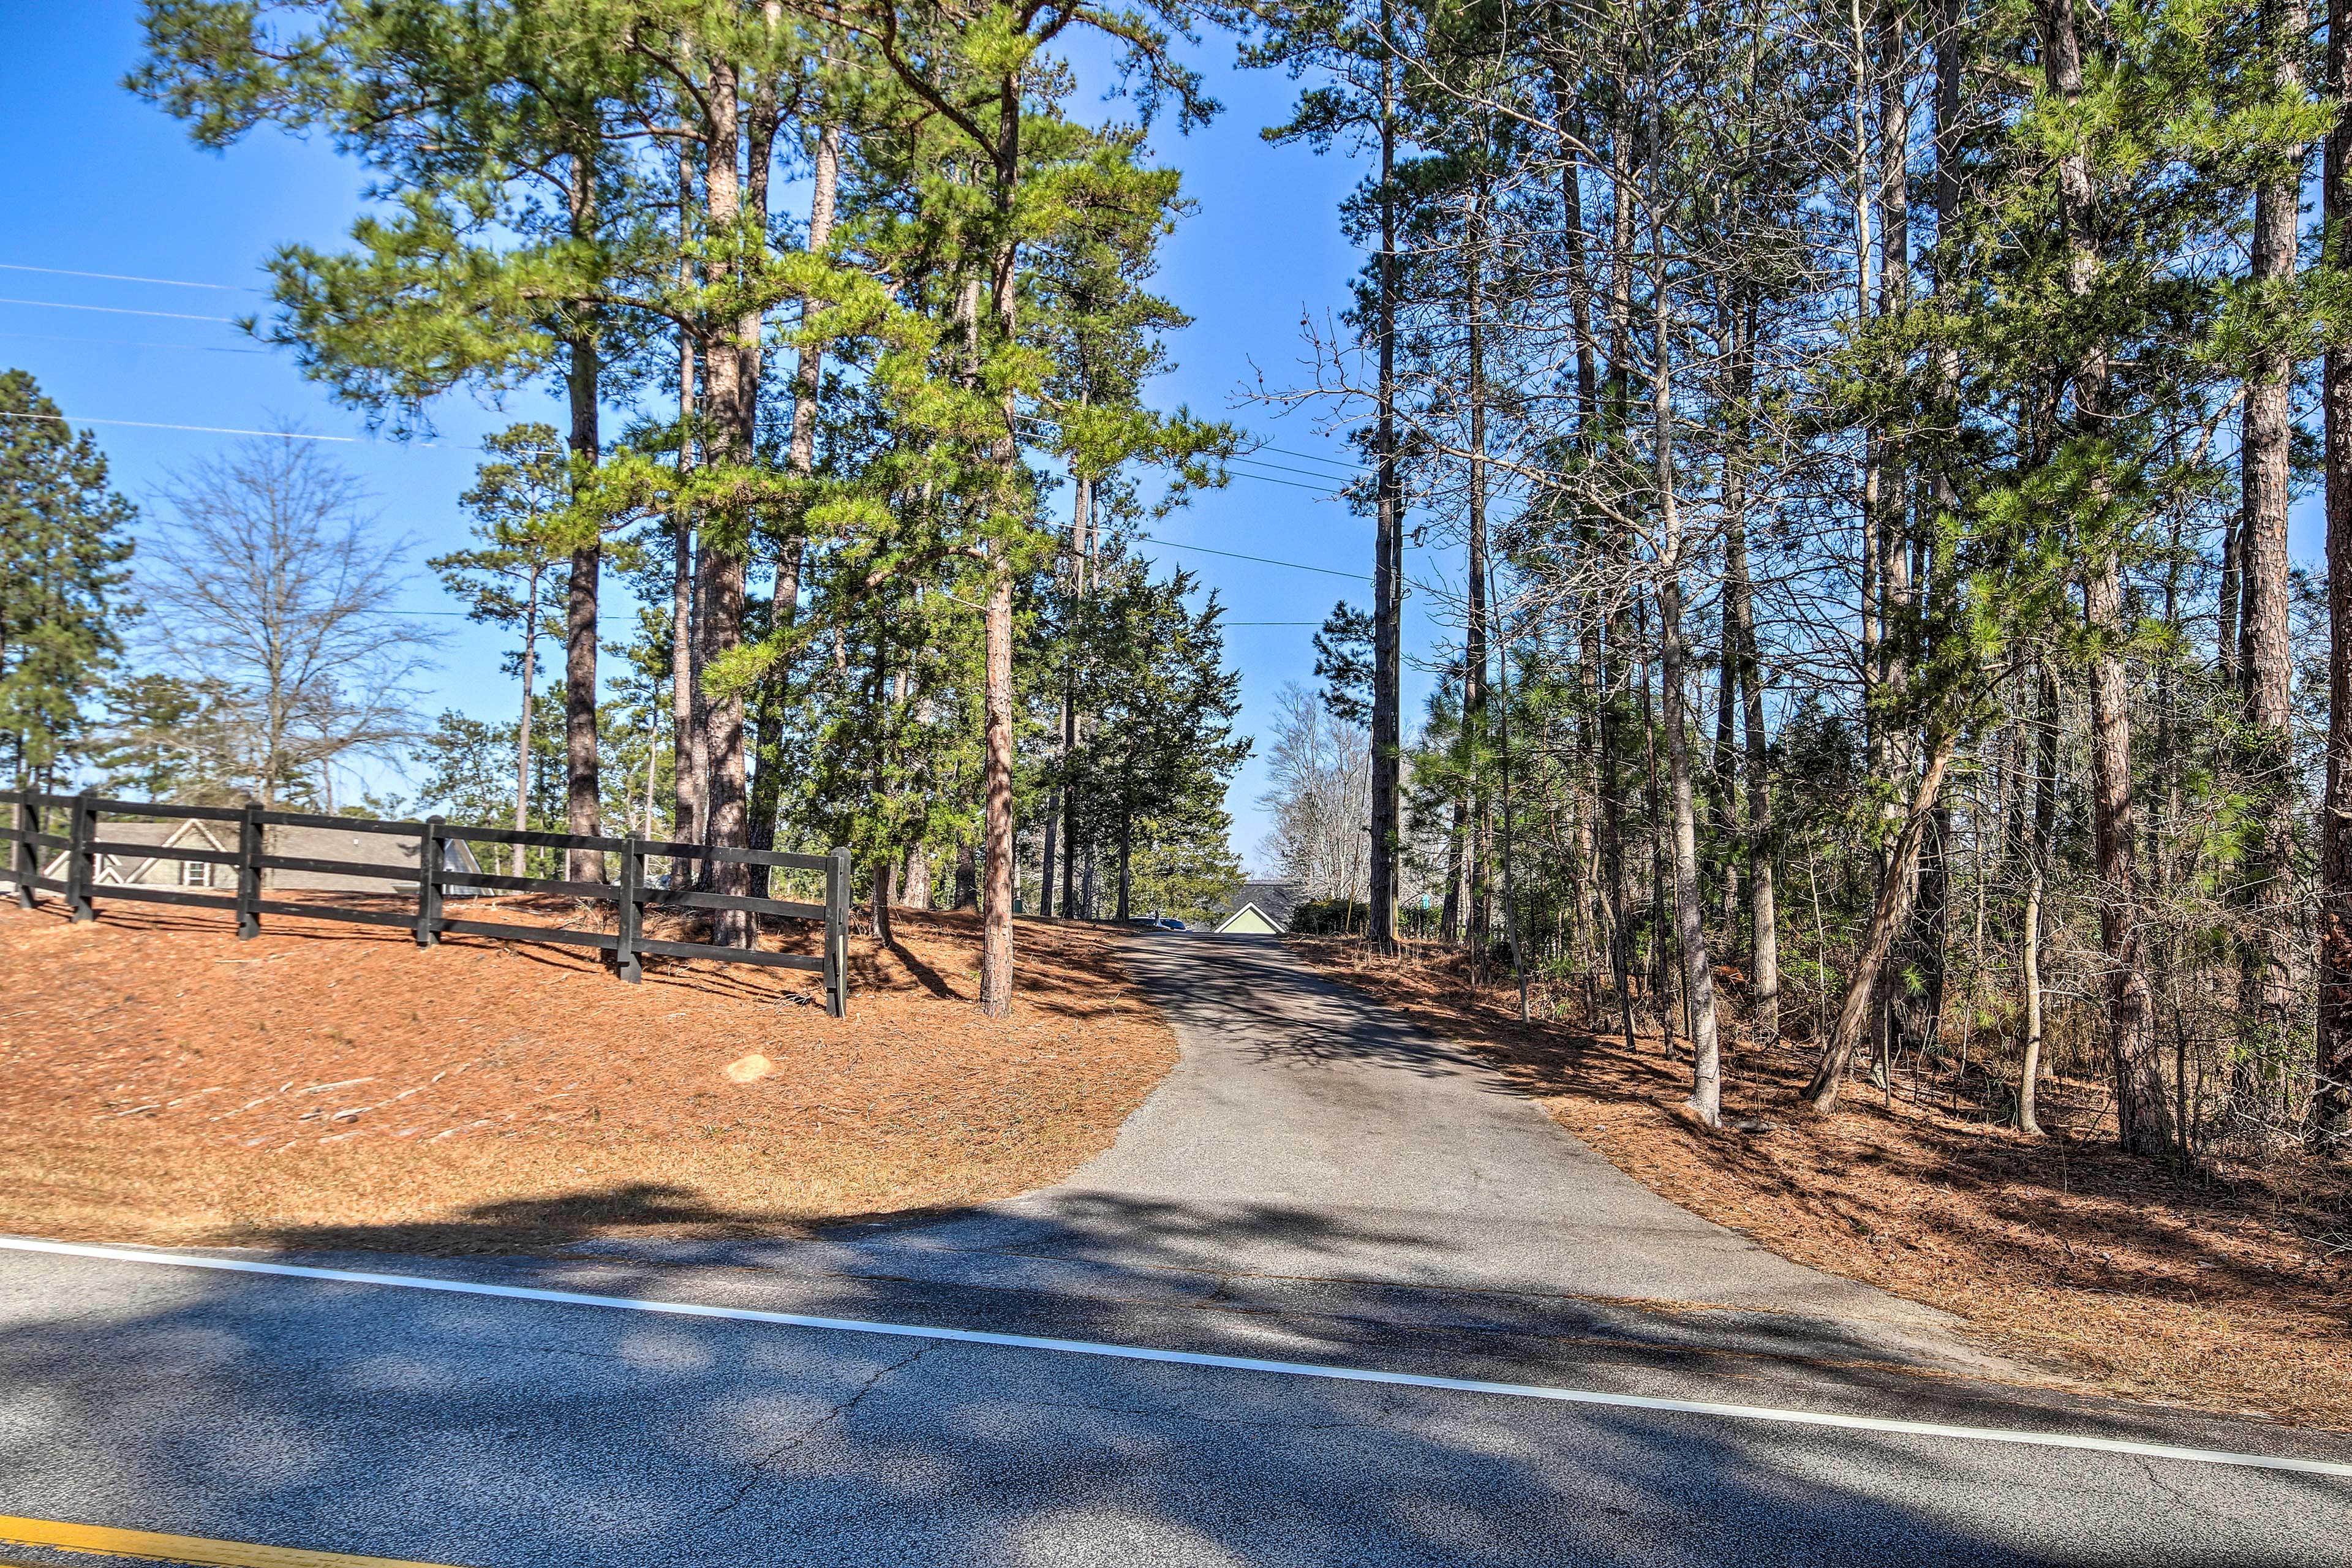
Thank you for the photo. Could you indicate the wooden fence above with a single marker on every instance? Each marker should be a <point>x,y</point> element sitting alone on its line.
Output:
<point>31,843</point>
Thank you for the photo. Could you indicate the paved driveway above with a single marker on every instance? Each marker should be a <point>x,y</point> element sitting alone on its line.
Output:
<point>1313,1152</point>
<point>1308,1134</point>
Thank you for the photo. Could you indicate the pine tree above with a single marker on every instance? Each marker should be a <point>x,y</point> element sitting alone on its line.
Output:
<point>509,245</point>
<point>1359,53</point>
<point>977,193</point>
<point>1163,702</point>
<point>64,544</point>
<point>519,501</point>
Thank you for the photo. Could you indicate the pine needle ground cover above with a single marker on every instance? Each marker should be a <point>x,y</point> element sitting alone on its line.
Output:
<point>327,1085</point>
<point>2229,1291</point>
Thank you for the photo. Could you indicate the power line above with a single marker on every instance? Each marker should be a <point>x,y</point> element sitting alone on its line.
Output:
<point>435,445</point>
<point>300,436</point>
<point>1261,560</point>
<point>132,343</point>
<point>225,430</point>
<point>1344,467</point>
<point>1312,457</point>
<point>1285,469</point>
<point>357,440</point>
<point>120,310</point>
<point>1257,447</point>
<point>1293,484</point>
<point>360,440</point>
<point>126,277</point>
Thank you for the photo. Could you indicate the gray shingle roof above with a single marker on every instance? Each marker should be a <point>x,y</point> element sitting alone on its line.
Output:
<point>1275,900</point>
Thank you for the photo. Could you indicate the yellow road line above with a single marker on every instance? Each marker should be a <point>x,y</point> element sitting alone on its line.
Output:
<point>104,1540</point>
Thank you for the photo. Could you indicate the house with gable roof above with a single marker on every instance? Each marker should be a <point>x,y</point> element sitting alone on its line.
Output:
<point>1258,908</point>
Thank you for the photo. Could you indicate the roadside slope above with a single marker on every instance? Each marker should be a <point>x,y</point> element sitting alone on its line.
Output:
<point>331,1085</point>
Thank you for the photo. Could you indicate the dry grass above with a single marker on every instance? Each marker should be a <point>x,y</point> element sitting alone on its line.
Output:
<point>332,1085</point>
<point>2228,1294</point>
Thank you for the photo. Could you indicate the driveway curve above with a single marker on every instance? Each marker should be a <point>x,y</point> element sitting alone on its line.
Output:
<point>1314,1156</point>
<point>1309,1130</point>
<point>1313,1142</point>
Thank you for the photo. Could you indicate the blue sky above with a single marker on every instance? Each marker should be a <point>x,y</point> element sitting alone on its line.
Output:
<point>102,183</point>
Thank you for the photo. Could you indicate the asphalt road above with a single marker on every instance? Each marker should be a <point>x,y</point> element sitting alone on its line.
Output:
<point>505,1430</point>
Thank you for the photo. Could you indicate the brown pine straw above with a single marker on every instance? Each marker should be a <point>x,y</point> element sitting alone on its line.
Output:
<point>2231,1290</point>
<point>331,1085</point>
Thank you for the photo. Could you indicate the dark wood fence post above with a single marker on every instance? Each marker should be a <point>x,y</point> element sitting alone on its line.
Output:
<point>24,856</point>
<point>630,912</point>
<point>248,872</point>
<point>81,866</point>
<point>836,935</point>
<point>428,882</point>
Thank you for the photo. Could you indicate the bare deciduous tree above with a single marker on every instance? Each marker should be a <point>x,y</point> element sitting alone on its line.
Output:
<point>274,587</point>
<point>1319,797</point>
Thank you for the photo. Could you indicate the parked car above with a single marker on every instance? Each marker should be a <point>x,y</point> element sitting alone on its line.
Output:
<point>1171,925</point>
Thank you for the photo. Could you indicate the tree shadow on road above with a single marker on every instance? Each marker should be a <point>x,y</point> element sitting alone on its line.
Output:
<point>514,1433</point>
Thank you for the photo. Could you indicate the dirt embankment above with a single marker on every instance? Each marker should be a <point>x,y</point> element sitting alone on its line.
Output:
<point>2231,1290</point>
<point>333,1085</point>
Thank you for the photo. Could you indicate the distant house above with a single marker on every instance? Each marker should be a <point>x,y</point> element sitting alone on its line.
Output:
<point>357,848</point>
<point>1258,908</point>
<point>161,870</point>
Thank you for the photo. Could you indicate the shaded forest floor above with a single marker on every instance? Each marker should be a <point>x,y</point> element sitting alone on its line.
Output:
<point>2229,1291</point>
<point>332,1085</point>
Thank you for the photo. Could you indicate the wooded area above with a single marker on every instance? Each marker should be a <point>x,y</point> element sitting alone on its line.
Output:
<point>1871,433</point>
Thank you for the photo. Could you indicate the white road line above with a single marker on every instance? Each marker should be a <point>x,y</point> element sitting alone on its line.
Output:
<point>1191,1357</point>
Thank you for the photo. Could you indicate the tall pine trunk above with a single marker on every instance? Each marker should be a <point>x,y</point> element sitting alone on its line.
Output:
<point>1388,551</point>
<point>731,362</point>
<point>1698,973</point>
<point>688,764</point>
<point>2044,793</point>
<point>583,809</point>
<point>1919,943</point>
<point>1124,906</point>
<point>2331,1103</point>
<point>2143,1112</point>
<point>1722,769</point>
<point>808,379</point>
<point>1473,641</point>
<point>997,696</point>
<point>1661,911</point>
<point>1739,612</point>
<point>1082,544</point>
<point>2266,658</point>
<point>1597,919</point>
<point>1503,753</point>
<point>523,735</point>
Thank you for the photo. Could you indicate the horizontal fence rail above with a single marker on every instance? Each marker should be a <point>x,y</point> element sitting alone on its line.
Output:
<point>43,827</point>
